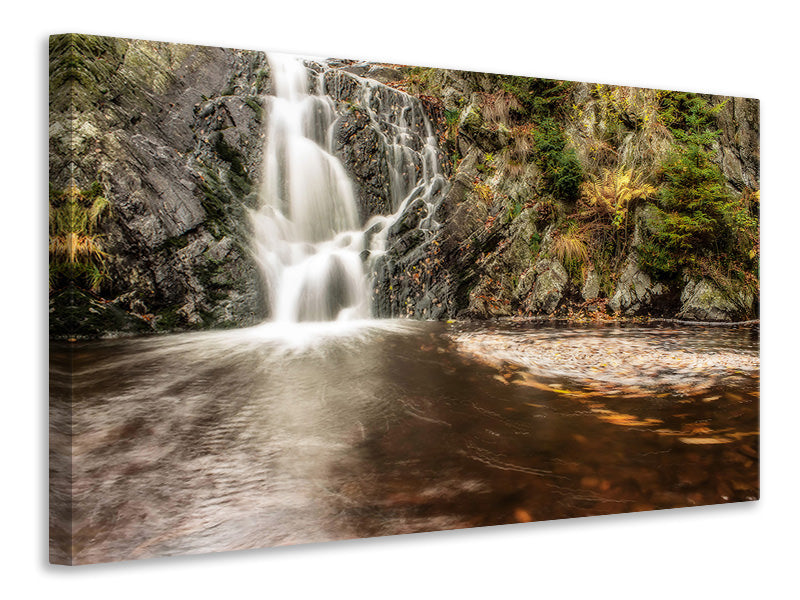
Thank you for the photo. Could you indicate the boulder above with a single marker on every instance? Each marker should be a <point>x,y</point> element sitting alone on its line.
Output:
<point>548,290</point>
<point>635,290</point>
<point>701,300</point>
<point>591,287</point>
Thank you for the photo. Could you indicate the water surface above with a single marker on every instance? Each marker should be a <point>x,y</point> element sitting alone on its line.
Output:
<point>287,434</point>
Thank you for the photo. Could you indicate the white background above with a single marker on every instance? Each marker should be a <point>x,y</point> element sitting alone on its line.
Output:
<point>732,48</point>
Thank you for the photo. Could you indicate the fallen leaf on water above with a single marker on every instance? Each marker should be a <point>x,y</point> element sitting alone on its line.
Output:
<point>627,420</point>
<point>589,481</point>
<point>705,440</point>
<point>532,383</point>
<point>522,515</point>
<point>741,434</point>
<point>693,428</point>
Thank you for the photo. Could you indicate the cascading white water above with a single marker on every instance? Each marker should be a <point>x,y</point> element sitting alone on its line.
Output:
<point>306,232</point>
<point>308,235</point>
<point>413,173</point>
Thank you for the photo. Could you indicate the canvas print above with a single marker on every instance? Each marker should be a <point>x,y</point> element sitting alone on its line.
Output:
<point>302,299</point>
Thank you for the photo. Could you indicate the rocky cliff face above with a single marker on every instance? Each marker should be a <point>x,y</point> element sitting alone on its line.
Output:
<point>504,248</point>
<point>174,136</point>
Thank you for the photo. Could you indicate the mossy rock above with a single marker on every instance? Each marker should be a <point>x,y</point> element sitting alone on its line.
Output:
<point>702,300</point>
<point>75,313</point>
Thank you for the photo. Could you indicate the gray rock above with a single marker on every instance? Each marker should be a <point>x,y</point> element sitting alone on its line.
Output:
<point>175,141</point>
<point>635,290</point>
<point>385,74</point>
<point>474,127</point>
<point>701,300</point>
<point>551,281</point>
<point>591,287</point>
<point>360,149</point>
<point>738,151</point>
<point>646,219</point>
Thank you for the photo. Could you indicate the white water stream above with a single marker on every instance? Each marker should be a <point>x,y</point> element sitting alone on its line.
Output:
<point>310,239</point>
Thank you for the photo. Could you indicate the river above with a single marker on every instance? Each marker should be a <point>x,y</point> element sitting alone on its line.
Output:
<point>306,432</point>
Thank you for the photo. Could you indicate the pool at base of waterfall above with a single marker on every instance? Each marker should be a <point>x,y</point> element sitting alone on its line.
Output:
<point>306,432</point>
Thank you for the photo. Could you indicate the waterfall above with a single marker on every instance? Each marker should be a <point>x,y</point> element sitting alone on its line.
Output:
<point>314,251</point>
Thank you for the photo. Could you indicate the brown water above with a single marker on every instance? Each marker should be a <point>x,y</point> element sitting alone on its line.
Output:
<point>264,437</point>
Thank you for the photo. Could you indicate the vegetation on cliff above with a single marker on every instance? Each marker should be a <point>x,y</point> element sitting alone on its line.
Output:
<point>76,250</point>
<point>630,192</point>
<point>702,229</point>
<point>564,198</point>
<point>153,126</point>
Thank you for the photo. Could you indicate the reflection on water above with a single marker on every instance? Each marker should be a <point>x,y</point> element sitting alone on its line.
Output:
<point>267,436</point>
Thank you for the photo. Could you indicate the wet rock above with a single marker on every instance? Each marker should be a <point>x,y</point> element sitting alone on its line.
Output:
<point>360,149</point>
<point>504,272</point>
<point>74,313</point>
<point>433,278</point>
<point>409,220</point>
<point>341,86</point>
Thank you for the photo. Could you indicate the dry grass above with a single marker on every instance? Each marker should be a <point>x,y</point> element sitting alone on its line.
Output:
<point>497,107</point>
<point>484,192</point>
<point>570,247</point>
<point>75,247</point>
<point>515,157</point>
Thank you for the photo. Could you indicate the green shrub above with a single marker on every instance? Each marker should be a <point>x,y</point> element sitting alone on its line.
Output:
<point>559,164</point>
<point>538,105</point>
<point>702,226</point>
